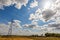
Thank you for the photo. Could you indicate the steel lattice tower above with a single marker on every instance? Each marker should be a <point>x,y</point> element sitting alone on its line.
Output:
<point>10,29</point>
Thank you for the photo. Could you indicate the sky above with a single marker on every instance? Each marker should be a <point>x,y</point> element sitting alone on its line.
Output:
<point>30,17</point>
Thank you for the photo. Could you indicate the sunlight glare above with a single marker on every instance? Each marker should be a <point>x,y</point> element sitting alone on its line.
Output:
<point>47,5</point>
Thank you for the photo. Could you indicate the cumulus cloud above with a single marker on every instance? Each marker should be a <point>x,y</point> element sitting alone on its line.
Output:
<point>30,26</point>
<point>17,29</point>
<point>33,4</point>
<point>27,29</point>
<point>52,27</point>
<point>47,14</point>
<point>56,25</point>
<point>3,29</point>
<point>51,13</point>
<point>18,3</point>
<point>36,15</point>
<point>15,23</point>
<point>34,29</point>
<point>40,29</point>
<point>55,7</point>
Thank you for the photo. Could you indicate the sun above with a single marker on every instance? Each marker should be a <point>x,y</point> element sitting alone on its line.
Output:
<point>47,5</point>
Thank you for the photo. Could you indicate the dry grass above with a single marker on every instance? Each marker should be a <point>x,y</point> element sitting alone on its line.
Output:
<point>30,38</point>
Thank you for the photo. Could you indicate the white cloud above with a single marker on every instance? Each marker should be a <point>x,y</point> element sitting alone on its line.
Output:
<point>48,14</point>
<point>53,27</point>
<point>56,25</point>
<point>40,29</point>
<point>3,29</point>
<point>33,4</point>
<point>29,26</point>
<point>32,17</point>
<point>52,13</point>
<point>18,3</point>
<point>36,15</point>
<point>17,29</point>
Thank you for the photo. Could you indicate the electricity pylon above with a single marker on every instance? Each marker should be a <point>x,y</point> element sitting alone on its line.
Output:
<point>10,29</point>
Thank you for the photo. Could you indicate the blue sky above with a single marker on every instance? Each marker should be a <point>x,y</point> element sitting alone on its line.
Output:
<point>22,14</point>
<point>31,13</point>
<point>11,12</point>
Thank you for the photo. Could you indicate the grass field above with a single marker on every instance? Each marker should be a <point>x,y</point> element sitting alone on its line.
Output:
<point>30,38</point>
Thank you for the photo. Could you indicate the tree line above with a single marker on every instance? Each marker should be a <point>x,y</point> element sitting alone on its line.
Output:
<point>46,35</point>
<point>52,35</point>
